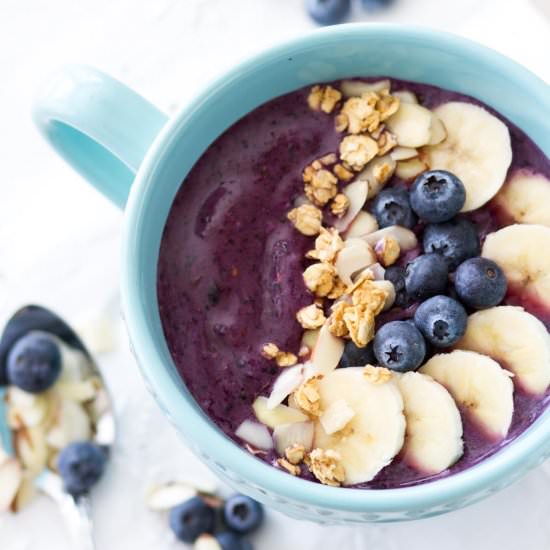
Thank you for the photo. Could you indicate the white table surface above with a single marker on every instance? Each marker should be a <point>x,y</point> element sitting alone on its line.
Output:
<point>59,242</point>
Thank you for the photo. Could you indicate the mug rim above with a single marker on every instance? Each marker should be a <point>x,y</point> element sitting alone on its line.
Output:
<point>206,436</point>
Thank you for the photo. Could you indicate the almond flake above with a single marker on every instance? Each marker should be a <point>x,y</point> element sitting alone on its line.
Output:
<point>358,150</point>
<point>387,105</point>
<point>323,98</point>
<point>326,466</point>
<point>295,454</point>
<point>306,219</point>
<point>320,278</point>
<point>311,317</point>
<point>377,375</point>
<point>387,250</point>
<point>386,142</point>
<point>327,245</point>
<point>329,159</point>
<point>339,205</point>
<point>290,468</point>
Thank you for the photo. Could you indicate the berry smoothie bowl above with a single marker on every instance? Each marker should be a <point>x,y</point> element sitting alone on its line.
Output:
<point>343,307</point>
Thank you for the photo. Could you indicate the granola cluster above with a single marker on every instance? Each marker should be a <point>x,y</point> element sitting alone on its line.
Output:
<point>326,466</point>
<point>282,358</point>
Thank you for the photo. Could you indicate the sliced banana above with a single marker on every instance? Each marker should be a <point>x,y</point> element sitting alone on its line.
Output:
<point>375,433</point>
<point>433,440</point>
<point>514,338</point>
<point>521,252</point>
<point>438,132</point>
<point>525,198</point>
<point>411,124</point>
<point>479,385</point>
<point>406,96</point>
<point>477,149</point>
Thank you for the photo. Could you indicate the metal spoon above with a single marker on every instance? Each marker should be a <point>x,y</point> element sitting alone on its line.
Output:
<point>75,510</point>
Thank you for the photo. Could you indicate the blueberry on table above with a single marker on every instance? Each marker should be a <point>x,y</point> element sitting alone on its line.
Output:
<point>34,362</point>
<point>81,465</point>
<point>399,346</point>
<point>354,356</point>
<point>441,320</point>
<point>375,5</point>
<point>437,196</point>
<point>427,275</point>
<point>231,541</point>
<point>328,12</point>
<point>243,514</point>
<point>396,275</point>
<point>192,518</point>
<point>456,240</point>
<point>392,207</point>
<point>480,283</point>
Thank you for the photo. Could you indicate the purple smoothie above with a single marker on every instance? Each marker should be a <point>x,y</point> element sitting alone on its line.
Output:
<point>230,265</point>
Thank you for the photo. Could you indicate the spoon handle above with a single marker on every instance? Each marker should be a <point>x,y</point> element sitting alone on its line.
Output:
<point>84,525</point>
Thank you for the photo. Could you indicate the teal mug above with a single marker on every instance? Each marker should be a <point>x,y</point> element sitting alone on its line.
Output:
<point>138,158</point>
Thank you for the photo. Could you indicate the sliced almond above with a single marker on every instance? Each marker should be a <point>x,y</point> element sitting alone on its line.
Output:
<point>25,493</point>
<point>73,424</point>
<point>377,173</point>
<point>285,384</point>
<point>352,259</point>
<point>327,351</point>
<point>356,193</point>
<point>309,337</point>
<point>256,434</point>
<point>405,237</point>
<point>403,153</point>
<point>10,481</point>
<point>31,448</point>
<point>356,88</point>
<point>389,289</point>
<point>376,271</point>
<point>363,224</point>
<point>411,125</point>
<point>409,169</point>
<point>281,414</point>
<point>287,435</point>
<point>168,495</point>
<point>406,96</point>
<point>80,391</point>
<point>438,132</point>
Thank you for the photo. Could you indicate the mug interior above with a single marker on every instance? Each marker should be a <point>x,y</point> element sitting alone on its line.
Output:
<point>346,51</point>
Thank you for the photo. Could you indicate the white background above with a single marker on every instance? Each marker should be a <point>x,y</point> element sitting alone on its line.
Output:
<point>59,242</point>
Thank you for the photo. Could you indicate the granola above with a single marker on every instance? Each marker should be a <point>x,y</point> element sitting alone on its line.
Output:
<point>367,293</point>
<point>311,317</point>
<point>295,454</point>
<point>320,185</point>
<point>359,320</point>
<point>307,396</point>
<point>323,98</point>
<point>306,219</point>
<point>356,151</point>
<point>327,245</point>
<point>320,278</point>
<point>282,358</point>
<point>342,173</point>
<point>339,205</point>
<point>289,467</point>
<point>387,105</point>
<point>326,466</point>
<point>386,142</point>
<point>361,113</point>
<point>387,250</point>
<point>336,323</point>
<point>377,375</point>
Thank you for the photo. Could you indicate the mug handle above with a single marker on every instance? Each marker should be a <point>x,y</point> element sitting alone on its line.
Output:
<point>98,125</point>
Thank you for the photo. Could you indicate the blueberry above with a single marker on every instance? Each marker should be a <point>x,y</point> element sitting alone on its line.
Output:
<point>396,275</point>
<point>480,283</point>
<point>231,541</point>
<point>455,240</point>
<point>399,346</point>
<point>192,518</point>
<point>328,12</point>
<point>441,320</point>
<point>357,357</point>
<point>426,276</point>
<point>375,5</point>
<point>81,465</point>
<point>243,514</point>
<point>34,362</point>
<point>392,207</point>
<point>437,196</point>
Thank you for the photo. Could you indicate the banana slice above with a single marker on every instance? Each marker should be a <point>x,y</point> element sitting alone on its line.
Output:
<point>411,125</point>
<point>479,385</point>
<point>477,149</point>
<point>406,96</point>
<point>521,251</point>
<point>374,434</point>
<point>433,440</point>
<point>514,338</point>
<point>525,198</point>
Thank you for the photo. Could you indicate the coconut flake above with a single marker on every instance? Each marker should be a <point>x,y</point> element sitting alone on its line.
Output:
<point>168,495</point>
<point>285,384</point>
<point>299,433</point>
<point>256,434</point>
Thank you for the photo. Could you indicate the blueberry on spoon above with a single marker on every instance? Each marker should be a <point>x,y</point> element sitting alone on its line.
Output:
<point>81,466</point>
<point>441,320</point>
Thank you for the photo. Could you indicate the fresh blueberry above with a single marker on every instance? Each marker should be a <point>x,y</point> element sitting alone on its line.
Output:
<point>392,207</point>
<point>441,320</point>
<point>375,5</point>
<point>437,196</point>
<point>243,514</point>
<point>34,362</point>
<point>328,12</point>
<point>357,357</point>
<point>427,275</point>
<point>192,518</point>
<point>81,465</point>
<point>456,240</point>
<point>399,346</point>
<point>480,283</point>
<point>396,275</point>
<point>231,541</point>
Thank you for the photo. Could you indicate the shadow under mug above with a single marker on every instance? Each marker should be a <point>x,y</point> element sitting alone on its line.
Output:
<point>138,158</point>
